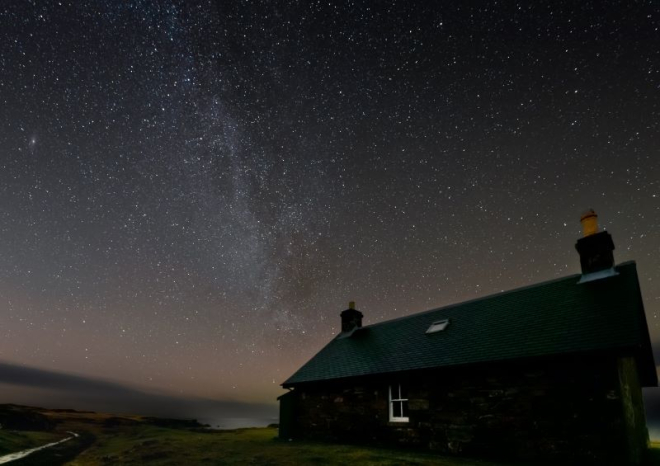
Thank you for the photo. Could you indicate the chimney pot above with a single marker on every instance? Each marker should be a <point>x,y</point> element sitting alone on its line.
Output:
<point>589,221</point>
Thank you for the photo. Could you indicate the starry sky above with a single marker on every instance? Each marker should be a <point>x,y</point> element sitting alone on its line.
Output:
<point>192,191</point>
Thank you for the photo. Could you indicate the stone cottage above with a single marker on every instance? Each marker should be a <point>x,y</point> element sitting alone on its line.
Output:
<point>552,371</point>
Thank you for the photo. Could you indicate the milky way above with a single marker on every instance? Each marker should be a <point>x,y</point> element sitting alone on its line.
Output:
<point>192,191</point>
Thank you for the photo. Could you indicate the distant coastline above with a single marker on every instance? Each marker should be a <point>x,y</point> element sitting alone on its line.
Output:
<point>227,423</point>
<point>654,431</point>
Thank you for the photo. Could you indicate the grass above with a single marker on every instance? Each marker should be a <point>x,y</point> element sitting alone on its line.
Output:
<point>654,453</point>
<point>159,446</point>
<point>131,440</point>
<point>11,441</point>
<point>125,440</point>
<point>59,454</point>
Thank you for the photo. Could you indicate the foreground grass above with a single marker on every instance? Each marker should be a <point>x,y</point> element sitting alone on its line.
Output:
<point>654,453</point>
<point>159,446</point>
<point>59,454</point>
<point>11,441</point>
<point>132,440</point>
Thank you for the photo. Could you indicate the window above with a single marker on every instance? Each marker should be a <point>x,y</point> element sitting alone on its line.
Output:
<point>438,326</point>
<point>398,403</point>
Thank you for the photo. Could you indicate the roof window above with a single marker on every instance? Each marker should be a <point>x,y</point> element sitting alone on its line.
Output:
<point>438,326</point>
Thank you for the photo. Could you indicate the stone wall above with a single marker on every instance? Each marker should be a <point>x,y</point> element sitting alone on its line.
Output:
<point>556,409</point>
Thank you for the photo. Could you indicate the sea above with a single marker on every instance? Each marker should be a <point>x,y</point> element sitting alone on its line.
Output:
<point>226,423</point>
<point>654,431</point>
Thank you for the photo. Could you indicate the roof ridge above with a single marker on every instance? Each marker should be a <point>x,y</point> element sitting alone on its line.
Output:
<point>490,296</point>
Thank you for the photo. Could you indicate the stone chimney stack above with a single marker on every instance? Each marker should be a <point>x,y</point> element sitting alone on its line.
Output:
<point>595,248</point>
<point>351,318</point>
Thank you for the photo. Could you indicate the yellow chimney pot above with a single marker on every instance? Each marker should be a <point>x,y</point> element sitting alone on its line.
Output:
<point>589,221</point>
<point>351,304</point>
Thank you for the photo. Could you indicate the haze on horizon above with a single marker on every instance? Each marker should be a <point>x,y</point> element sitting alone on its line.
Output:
<point>193,191</point>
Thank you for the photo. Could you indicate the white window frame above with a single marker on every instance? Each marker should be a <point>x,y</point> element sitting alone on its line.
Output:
<point>397,391</point>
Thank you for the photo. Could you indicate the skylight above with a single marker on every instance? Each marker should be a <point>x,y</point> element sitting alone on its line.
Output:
<point>438,326</point>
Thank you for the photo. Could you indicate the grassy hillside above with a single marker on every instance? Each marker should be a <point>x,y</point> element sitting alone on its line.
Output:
<point>117,440</point>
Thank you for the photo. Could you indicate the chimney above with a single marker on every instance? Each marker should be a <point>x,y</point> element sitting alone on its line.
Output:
<point>595,249</point>
<point>351,318</point>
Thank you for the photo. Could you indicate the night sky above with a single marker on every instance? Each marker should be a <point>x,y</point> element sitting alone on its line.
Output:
<point>192,191</point>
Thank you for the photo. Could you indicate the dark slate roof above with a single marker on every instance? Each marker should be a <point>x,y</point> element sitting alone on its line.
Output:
<point>550,318</point>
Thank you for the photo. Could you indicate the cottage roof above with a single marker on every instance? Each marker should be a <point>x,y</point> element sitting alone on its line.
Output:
<point>551,318</point>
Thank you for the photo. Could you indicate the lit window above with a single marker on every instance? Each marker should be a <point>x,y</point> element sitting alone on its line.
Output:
<point>438,326</point>
<point>398,403</point>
